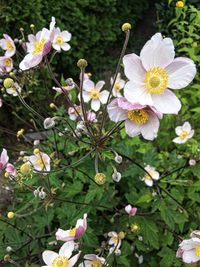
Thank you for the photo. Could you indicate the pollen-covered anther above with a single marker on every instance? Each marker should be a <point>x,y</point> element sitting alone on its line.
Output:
<point>138,116</point>
<point>156,80</point>
<point>94,93</point>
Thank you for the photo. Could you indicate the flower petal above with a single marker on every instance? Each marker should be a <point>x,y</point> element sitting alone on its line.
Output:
<point>86,96</point>
<point>136,94</point>
<point>95,104</point>
<point>186,126</point>
<point>66,36</point>
<point>73,260</point>
<point>65,47</point>
<point>189,256</point>
<point>103,97</point>
<point>115,112</point>
<point>149,130</point>
<point>157,52</point>
<point>133,68</point>
<point>181,72</point>
<point>99,85</point>
<point>167,103</point>
<point>48,256</point>
<point>132,129</point>
<point>88,85</point>
<point>67,249</point>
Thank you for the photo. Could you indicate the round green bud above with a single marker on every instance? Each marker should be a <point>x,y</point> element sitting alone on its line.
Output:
<point>8,82</point>
<point>82,63</point>
<point>100,178</point>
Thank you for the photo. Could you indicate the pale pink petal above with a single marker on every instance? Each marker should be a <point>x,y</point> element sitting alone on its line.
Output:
<point>132,129</point>
<point>67,249</point>
<point>189,256</point>
<point>149,130</point>
<point>95,104</point>
<point>167,103</point>
<point>138,94</point>
<point>64,235</point>
<point>56,47</point>
<point>181,72</point>
<point>104,96</point>
<point>157,52</point>
<point>65,47</point>
<point>86,96</point>
<point>178,140</point>
<point>148,182</point>
<point>99,85</point>
<point>115,112</point>
<point>191,134</point>
<point>178,130</point>
<point>66,36</point>
<point>124,104</point>
<point>186,126</point>
<point>73,260</point>
<point>88,85</point>
<point>48,256</point>
<point>4,157</point>
<point>133,68</point>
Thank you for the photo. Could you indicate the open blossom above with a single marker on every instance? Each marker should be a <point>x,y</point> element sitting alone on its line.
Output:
<point>92,260</point>
<point>38,46</point>
<point>139,119</point>
<point>66,88</point>
<point>14,90</point>
<point>154,72</point>
<point>184,133</point>
<point>3,159</point>
<point>60,40</point>
<point>8,45</point>
<point>114,240</point>
<point>61,259</point>
<point>189,249</point>
<point>74,113</point>
<point>118,86</point>
<point>93,92</point>
<point>6,64</point>
<point>40,161</point>
<point>73,233</point>
<point>130,210</point>
<point>153,175</point>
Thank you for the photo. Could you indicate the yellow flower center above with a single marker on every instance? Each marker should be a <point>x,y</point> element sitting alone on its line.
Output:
<point>197,251</point>
<point>38,47</point>
<point>40,162</point>
<point>180,4</point>
<point>60,262</point>
<point>115,239</point>
<point>156,80</point>
<point>117,87</point>
<point>183,135</point>
<point>96,263</point>
<point>9,46</point>
<point>59,40</point>
<point>94,93</point>
<point>7,62</point>
<point>148,176</point>
<point>72,231</point>
<point>135,227</point>
<point>138,116</point>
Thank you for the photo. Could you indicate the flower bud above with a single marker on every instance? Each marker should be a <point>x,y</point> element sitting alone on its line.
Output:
<point>9,249</point>
<point>7,258</point>
<point>49,123</point>
<point>6,174</point>
<point>10,215</point>
<point>118,159</point>
<point>20,132</point>
<point>134,227</point>
<point>82,63</point>
<point>8,82</point>
<point>52,105</point>
<point>32,26</point>
<point>116,176</point>
<point>180,4</point>
<point>126,27</point>
<point>36,151</point>
<point>25,168</point>
<point>192,162</point>
<point>70,81</point>
<point>100,178</point>
<point>42,194</point>
<point>121,235</point>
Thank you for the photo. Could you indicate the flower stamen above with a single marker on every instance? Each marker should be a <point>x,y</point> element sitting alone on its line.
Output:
<point>94,93</point>
<point>156,80</point>
<point>60,262</point>
<point>138,116</point>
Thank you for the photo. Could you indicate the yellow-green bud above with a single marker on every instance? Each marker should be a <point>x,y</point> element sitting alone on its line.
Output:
<point>8,82</point>
<point>100,178</point>
<point>134,227</point>
<point>21,29</point>
<point>7,257</point>
<point>180,4</point>
<point>25,168</point>
<point>121,235</point>
<point>36,151</point>
<point>52,105</point>
<point>126,27</point>
<point>10,215</point>
<point>12,74</point>
<point>20,132</point>
<point>32,26</point>
<point>82,63</point>
<point>2,89</point>
<point>7,174</point>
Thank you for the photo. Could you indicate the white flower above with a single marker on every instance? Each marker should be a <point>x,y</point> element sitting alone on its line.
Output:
<point>49,123</point>
<point>189,250</point>
<point>114,240</point>
<point>154,175</point>
<point>118,86</point>
<point>8,45</point>
<point>60,40</point>
<point>61,259</point>
<point>14,90</point>
<point>154,72</point>
<point>92,260</point>
<point>92,92</point>
<point>184,133</point>
<point>192,162</point>
<point>40,161</point>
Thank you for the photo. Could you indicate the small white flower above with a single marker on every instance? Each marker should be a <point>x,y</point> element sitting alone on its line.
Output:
<point>14,90</point>
<point>40,162</point>
<point>9,249</point>
<point>189,250</point>
<point>192,162</point>
<point>153,175</point>
<point>92,260</point>
<point>60,40</point>
<point>184,133</point>
<point>93,92</point>
<point>118,86</point>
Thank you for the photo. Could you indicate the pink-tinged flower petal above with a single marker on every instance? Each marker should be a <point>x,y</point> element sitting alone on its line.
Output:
<point>195,233</point>
<point>115,112</point>
<point>130,210</point>
<point>67,249</point>
<point>11,169</point>
<point>66,47</point>
<point>179,253</point>
<point>138,94</point>
<point>181,72</point>
<point>148,182</point>
<point>88,85</point>
<point>104,96</point>
<point>124,104</point>
<point>30,61</point>
<point>95,104</point>
<point>132,129</point>
<point>186,126</point>
<point>157,52</point>
<point>56,47</point>
<point>149,130</point>
<point>49,256</point>
<point>46,48</point>
<point>66,36</point>
<point>191,134</point>
<point>100,85</point>
<point>167,103</point>
<point>73,260</point>
<point>64,235</point>
<point>86,96</point>
<point>189,256</point>
<point>79,232</point>
<point>4,158</point>
<point>133,68</point>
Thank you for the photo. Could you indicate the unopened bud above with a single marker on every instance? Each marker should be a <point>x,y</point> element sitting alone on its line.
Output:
<point>118,159</point>
<point>9,249</point>
<point>82,63</point>
<point>180,4</point>
<point>70,81</point>
<point>36,151</point>
<point>121,235</point>
<point>116,176</point>
<point>32,26</point>
<point>52,105</point>
<point>25,168</point>
<point>10,215</point>
<point>8,82</point>
<point>42,194</point>
<point>100,178</point>
<point>7,257</point>
<point>126,27</point>
<point>49,123</point>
